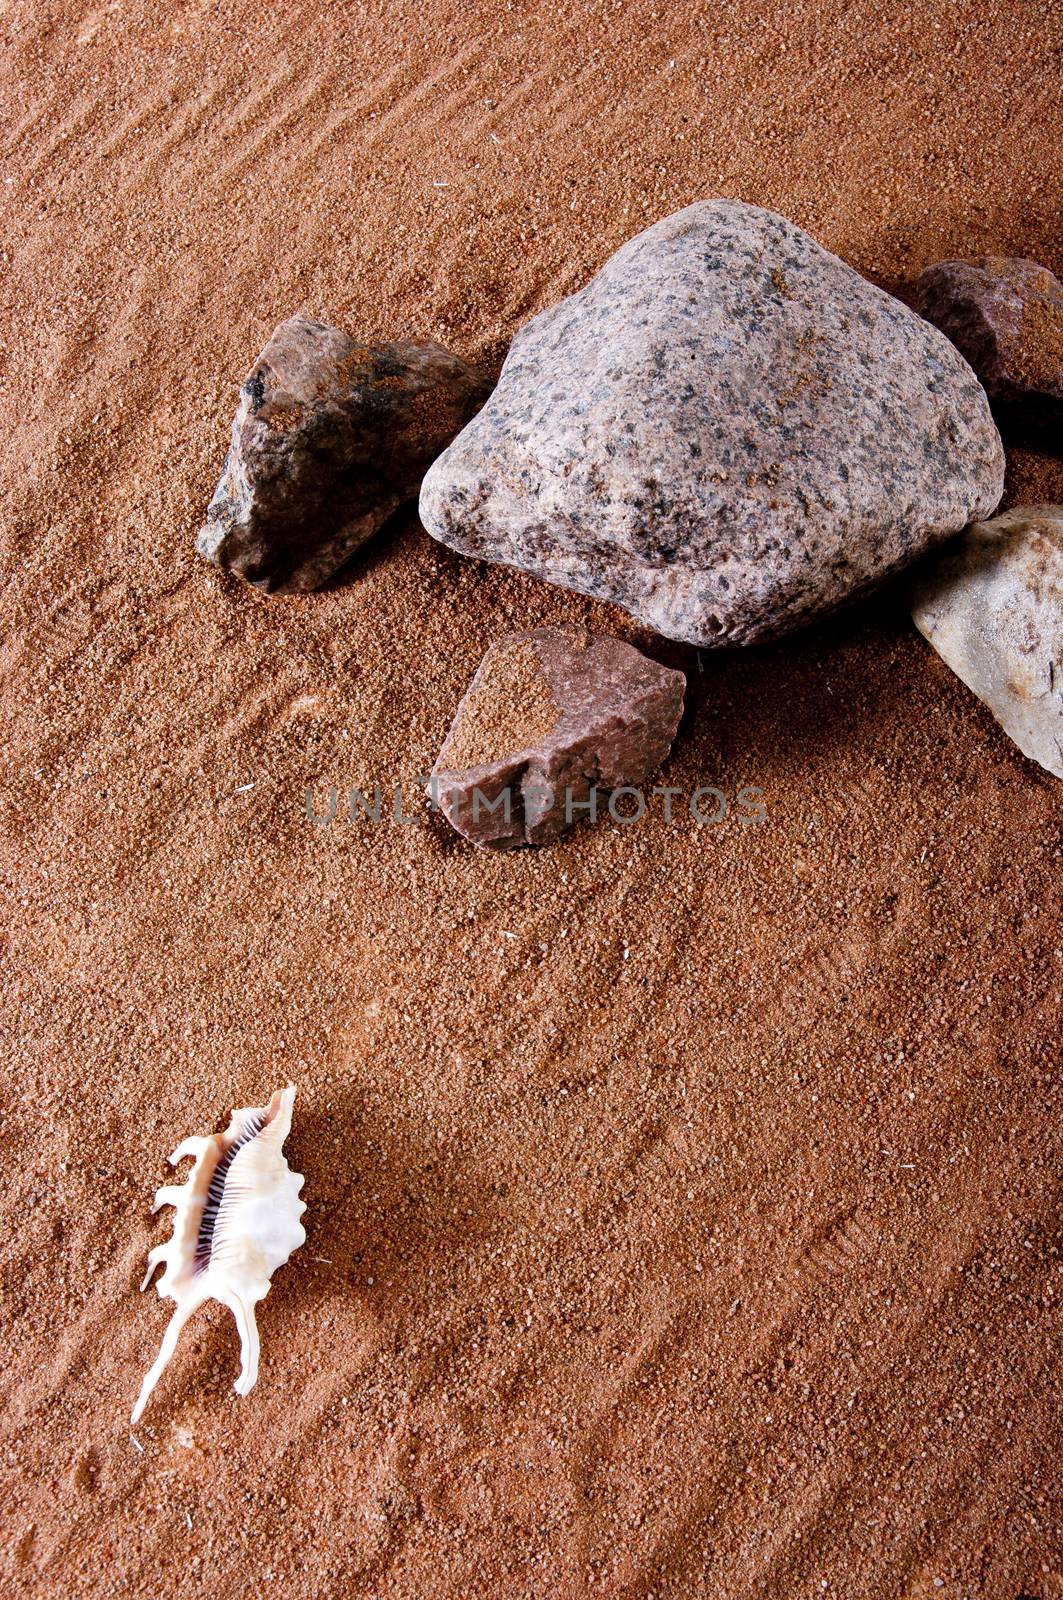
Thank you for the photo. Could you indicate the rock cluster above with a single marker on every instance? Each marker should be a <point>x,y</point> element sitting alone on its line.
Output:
<point>728,432</point>
<point>553,720</point>
<point>992,607</point>
<point>329,439</point>
<point>1005,315</point>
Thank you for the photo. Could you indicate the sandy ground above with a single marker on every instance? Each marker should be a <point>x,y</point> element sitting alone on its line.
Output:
<point>683,1201</point>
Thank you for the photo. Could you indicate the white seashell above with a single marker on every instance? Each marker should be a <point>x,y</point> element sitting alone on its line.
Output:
<point>237,1221</point>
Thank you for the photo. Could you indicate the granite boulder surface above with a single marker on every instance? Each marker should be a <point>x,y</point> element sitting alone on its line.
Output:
<point>552,723</point>
<point>992,607</point>
<point>728,432</point>
<point>330,437</point>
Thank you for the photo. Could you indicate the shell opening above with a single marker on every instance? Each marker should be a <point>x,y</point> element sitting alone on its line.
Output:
<point>216,1192</point>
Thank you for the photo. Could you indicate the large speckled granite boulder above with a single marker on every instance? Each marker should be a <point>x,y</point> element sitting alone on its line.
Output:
<point>329,438</point>
<point>728,432</point>
<point>1005,316</point>
<point>992,607</point>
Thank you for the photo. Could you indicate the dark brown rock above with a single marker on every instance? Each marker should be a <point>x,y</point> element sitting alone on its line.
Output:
<point>550,716</point>
<point>330,437</point>
<point>1005,315</point>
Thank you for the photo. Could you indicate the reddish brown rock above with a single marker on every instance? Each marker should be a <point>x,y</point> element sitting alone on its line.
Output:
<point>1005,315</point>
<point>551,716</point>
<point>330,437</point>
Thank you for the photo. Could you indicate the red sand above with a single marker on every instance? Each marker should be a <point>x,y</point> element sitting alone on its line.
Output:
<point>683,1201</point>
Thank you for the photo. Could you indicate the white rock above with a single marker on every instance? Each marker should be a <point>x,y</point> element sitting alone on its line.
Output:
<point>992,607</point>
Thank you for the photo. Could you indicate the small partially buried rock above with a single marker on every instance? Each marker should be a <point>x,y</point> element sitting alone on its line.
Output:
<point>550,716</point>
<point>728,432</point>
<point>1005,315</point>
<point>329,439</point>
<point>992,607</point>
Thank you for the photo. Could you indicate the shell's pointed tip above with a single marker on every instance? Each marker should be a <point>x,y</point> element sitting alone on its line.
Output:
<point>159,1253</point>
